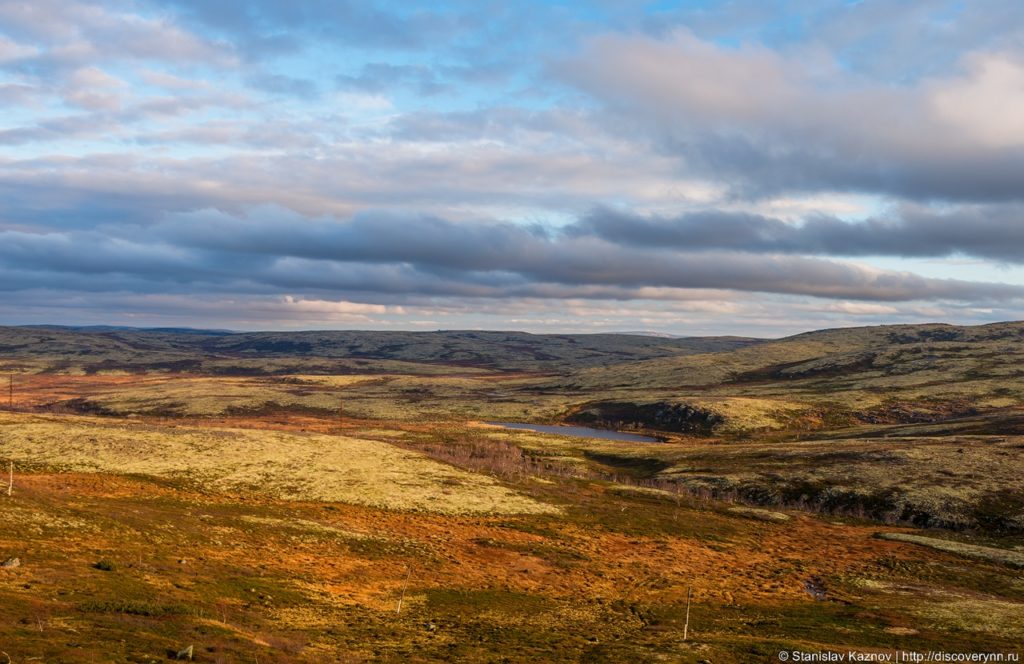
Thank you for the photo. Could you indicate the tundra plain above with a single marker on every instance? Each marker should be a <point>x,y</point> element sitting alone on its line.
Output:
<point>337,496</point>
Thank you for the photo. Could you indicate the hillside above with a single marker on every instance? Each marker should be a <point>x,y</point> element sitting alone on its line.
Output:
<point>906,423</point>
<point>815,353</point>
<point>851,369</point>
<point>55,349</point>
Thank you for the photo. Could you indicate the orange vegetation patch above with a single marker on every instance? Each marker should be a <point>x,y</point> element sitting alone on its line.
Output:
<point>482,552</point>
<point>313,581</point>
<point>33,390</point>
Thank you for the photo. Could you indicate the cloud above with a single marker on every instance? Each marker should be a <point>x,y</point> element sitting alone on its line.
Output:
<point>310,160</point>
<point>68,34</point>
<point>993,232</point>
<point>94,89</point>
<point>545,171</point>
<point>900,41</point>
<point>755,315</point>
<point>11,50</point>
<point>777,123</point>
<point>986,102</point>
<point>429,256</point>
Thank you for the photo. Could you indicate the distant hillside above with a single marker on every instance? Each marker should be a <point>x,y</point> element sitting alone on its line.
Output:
<point>918,424</point>
<point>895,374</point>
<point>825,351</point>
<point>90,350</point>
<point>472,348</point>
<point>126,328</point>
<point>648,333</point>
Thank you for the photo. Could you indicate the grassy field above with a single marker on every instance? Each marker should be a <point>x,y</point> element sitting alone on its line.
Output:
<point>338,497</point>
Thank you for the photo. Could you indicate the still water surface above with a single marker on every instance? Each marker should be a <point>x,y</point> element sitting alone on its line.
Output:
<point>581,432</point>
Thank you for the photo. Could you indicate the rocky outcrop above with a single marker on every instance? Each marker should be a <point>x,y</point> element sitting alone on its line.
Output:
<point>661,415</point>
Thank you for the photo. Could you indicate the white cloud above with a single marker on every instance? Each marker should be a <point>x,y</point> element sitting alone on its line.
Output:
<point>986,103</point>
<point>785,123</point>
<point>11,50</point>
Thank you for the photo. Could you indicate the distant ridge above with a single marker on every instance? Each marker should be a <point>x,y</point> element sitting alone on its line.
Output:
<point>127,328</point>
<point>110,348</point>
<point>648,333</point>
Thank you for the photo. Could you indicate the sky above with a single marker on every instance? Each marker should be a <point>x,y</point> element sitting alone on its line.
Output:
<point>749,167</point>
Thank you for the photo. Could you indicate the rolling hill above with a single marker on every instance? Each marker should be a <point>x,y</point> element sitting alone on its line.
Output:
<point>55,349</point>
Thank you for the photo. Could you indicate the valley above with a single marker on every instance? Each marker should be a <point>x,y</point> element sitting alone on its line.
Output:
<point>341,496</point>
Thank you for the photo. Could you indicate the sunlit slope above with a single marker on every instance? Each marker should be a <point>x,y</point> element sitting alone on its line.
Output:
<point>288,466</point>
<point>813,381</point>
<point>940,352</point>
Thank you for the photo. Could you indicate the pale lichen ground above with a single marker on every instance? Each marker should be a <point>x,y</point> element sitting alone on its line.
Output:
<point>289,466</point>
<point>992,554</point>
<point>943,609</point>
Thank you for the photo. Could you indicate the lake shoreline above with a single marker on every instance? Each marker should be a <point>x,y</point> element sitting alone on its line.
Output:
<point>577,431</point>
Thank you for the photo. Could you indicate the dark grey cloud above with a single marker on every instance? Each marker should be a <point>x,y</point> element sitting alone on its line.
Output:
<point>163,233</point>
<point>421,254</point>
<point>993,232</point>
<point>35,196</point>
<point>765,166</point>
<point>389,258</point>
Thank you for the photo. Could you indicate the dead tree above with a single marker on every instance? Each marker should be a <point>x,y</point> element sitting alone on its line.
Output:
<point>686,625</point>
<point>401,599</point>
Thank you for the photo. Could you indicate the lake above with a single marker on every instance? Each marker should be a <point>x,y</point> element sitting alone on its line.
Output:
<point>579,432</point>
